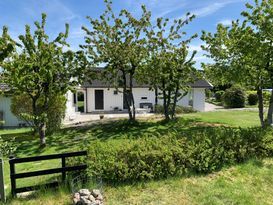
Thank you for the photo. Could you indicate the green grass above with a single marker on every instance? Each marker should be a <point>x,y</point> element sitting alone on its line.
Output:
<point>212,189</point>
<point>231,118</point>
<point>250,183</point>
<point>14,131</point>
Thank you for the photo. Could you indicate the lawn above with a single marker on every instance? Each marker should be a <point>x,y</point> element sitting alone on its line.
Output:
<point>241,184</point>
<point>232,118</point>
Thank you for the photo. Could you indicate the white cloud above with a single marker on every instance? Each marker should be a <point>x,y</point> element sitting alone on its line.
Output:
<point>226,22</point>
<point>212,8</point>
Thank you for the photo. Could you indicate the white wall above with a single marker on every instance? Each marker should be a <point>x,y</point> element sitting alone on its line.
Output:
<point>70,106</point>
<point>10,119</point>
<point>199,99</point>
<point>111,101</point>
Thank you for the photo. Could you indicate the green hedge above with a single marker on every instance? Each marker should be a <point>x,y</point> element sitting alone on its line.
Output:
<point>199,151</point>
<point>234,97</point>
<point>179,109</point>
<point>219,95</point>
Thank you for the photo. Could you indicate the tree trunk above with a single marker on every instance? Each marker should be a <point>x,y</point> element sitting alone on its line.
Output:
<point>156,99</point>
<point>125,94</point>
<point>165,106</point>
<point>175,101</point>
<point>42,131</point>
<point>261,106</point>
<point>270,110</point>
<point>132,98</point>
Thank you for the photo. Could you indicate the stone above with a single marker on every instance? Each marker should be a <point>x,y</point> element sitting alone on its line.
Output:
<point>84,192</point>
<point>96,193</point>
<point>77,196</point>
<point>99,197</point>
<point>85,201</point>
<point>75,201</point>
<point>98,202</point>
<point>92,198</point>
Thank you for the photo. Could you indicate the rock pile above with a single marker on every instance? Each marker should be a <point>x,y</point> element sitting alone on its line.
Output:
<point>86,197</point>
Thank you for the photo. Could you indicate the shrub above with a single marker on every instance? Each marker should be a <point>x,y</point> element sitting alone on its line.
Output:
<point>266,96</point>
<point>252,99</point>
<point>208,93</point>
<point>234,97</point>
<point>21,107</point>
<point>200,151</point>
<point>179,109</point>
<point>7,148</point>
<point>218,95</point>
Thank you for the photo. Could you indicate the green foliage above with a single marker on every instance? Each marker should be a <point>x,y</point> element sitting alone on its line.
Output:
<point>242,52</point>
<point>152,157</point>
<point>208,93</point>
<point>118,41</point>
<point>234,97</point>
<point>170,66</point>
<point>219,95</point>
<point>179,109</point>
<point>252,99</point>
<point>41,68</point>
<point>55,113</point>
<point>7,148</point>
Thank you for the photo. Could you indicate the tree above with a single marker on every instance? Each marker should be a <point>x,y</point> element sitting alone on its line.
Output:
<point>242,53</point>
<point>119,43</point>
<point>21,108</point>
<point>170,69</point>
<point>6,45</point>
<point>40,68</point>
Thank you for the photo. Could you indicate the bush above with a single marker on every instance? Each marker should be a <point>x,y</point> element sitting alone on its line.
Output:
<point>252,99</point>
<point>208,93</point>
<point>7,148</point>
<point>179,109</point>
<point>234,97</point>
<point>218,95</point>
<point>199,151</point>
<point>266,96</point>
<point>21,106</point>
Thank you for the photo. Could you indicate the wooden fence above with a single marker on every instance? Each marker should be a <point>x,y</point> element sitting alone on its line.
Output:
<point>63,170</point>
<point>2,182</point>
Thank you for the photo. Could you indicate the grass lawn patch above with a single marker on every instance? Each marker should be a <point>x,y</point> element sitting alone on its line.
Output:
<point>249,183</point>
<point>242,118</point>
<point>184,189</point>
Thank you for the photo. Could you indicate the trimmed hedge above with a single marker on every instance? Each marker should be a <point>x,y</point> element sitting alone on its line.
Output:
<point>252,99</point>
<point>179,109</point>
<point>234,97</point>
<point>200,151</point>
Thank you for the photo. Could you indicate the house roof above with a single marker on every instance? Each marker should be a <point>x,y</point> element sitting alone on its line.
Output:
<point>199,83</point>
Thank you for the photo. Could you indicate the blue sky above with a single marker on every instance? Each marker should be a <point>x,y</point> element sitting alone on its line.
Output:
<point>16,13</point>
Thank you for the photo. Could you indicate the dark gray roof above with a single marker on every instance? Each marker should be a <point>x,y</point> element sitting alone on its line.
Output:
<point>201,83</point>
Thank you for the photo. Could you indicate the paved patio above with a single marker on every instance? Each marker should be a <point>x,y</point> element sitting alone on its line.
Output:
<point>87,117</point>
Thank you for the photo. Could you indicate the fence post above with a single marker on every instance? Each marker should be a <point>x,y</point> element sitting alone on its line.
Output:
<point>12,178</point>
<point>2,182</point>
<point>63,173</point>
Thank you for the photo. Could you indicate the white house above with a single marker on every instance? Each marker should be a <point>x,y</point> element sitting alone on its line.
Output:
<point>6,115</point>
<point>101,97</point>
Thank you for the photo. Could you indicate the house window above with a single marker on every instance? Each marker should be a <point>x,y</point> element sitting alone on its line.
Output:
<point>115,92</point>
<point>144,98</point>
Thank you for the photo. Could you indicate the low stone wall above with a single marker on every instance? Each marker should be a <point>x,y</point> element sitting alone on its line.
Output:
<point>87,197</point>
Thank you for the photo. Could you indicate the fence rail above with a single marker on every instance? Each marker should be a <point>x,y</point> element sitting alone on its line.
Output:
<point>63,170</point>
